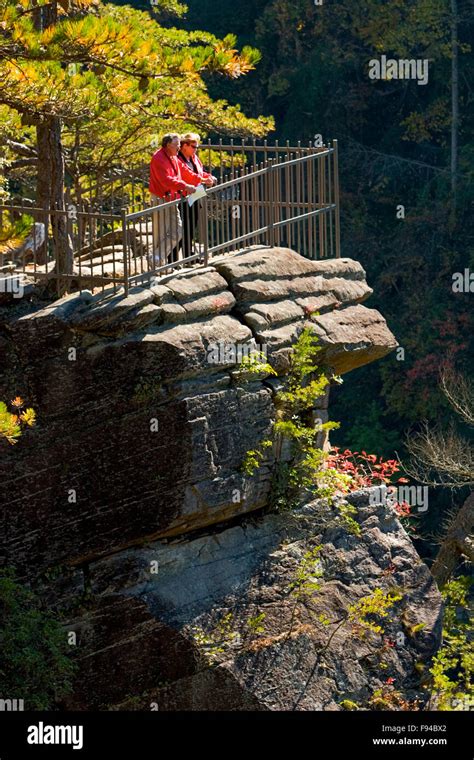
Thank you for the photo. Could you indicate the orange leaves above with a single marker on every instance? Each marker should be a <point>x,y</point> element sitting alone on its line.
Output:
<point>11,423</point>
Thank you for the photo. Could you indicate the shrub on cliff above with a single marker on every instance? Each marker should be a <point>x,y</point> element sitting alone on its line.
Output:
<point>34,665</point>
<point>13,423</point>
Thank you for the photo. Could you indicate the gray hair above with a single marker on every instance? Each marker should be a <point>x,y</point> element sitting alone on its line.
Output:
<point>169,138</point>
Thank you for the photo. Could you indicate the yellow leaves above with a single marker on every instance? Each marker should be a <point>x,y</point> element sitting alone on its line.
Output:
<point>28,417</point>
<point>48,35</point>
<point>119,61</point>
<point>187,65</point>
<point>11,424</point>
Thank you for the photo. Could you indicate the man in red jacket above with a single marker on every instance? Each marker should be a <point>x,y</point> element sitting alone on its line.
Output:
<point>169,181</point>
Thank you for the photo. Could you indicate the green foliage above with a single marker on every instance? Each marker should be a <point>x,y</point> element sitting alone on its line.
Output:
<point>348,704</point>
<point>12,424</point>
<point>255,364</point>
<point>34,665</point>
<point>283,492</point>
<point>306,577</point>
<point>375,605</point>
<point>216,641</point>
<point>300,394</point>
<point>308,474</point>
<point>14,229</point>
<point>147,390</point>
<point>453,665</point>
<point>256,623</point>
<point>346,513</point>
<point>253,459</point>
<point>117,78</point>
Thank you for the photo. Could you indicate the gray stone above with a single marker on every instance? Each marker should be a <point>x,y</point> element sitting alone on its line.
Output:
<point>297,662</point>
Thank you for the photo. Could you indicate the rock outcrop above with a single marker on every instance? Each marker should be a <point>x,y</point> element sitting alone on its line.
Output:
<point>141,430</point>
<point>127,510</point>
<point>240,619</point>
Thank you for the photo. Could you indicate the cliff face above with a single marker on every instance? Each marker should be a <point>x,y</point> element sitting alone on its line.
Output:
<point>231,620</point>
<point>143,425</point>
<point>127,510</point>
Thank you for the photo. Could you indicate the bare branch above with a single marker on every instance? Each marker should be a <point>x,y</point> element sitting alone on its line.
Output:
<point>457,542</point>
<point>444,453</point>
<point>460,394</point>
<point>21,149</point>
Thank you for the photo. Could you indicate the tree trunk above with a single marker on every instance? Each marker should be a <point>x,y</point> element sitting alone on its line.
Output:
<point>458,542</point>
<point>50,177</point>
<point>50,190</point>
<point>454,101</point>
<point>43,188</point>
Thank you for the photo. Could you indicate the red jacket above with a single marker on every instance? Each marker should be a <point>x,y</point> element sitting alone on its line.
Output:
<point>199,166</point>
<point>169,175</point>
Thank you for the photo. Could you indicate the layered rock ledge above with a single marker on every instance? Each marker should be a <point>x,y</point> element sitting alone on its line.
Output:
<point>140,432</point>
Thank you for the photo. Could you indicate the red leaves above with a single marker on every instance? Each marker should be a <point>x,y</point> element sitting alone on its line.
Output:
<point>403,509</point>
<point>365,469</point>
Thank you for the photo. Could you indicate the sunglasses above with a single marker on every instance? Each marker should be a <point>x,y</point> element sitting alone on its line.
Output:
<point>193,145</point>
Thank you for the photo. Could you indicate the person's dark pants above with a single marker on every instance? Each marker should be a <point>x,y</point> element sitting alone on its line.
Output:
<point>190,222</point>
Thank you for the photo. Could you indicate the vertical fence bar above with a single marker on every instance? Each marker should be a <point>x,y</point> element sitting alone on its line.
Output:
<point>125,250</point>
<point>298,201</point>
<point>336,198</point>
<point>320,206</point>
<point>331,211</point>
<point>204,221</point>
<point>277,194</point>
<point>270,201</point>
<point>310,208</point>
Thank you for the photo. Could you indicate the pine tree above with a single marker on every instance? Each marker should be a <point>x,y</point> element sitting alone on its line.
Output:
<point>90,77</point>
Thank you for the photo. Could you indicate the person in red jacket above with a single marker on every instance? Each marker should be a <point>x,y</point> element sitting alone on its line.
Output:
<point>169,181</point>
<point>190,160</point>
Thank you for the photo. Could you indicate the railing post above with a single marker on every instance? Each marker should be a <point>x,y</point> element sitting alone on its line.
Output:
<point>270,201</point>
<point>204,224</point>
<point>125,249</point>
<point>336,200</point>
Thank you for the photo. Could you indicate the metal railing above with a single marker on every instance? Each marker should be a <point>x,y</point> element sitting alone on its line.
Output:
<point>129,188</point>
<point>292,202</point>
<point>71,248</point>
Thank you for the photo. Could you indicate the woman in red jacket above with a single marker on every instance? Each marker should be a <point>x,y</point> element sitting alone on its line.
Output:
<point>190,161</point>
<point>169,180</point>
